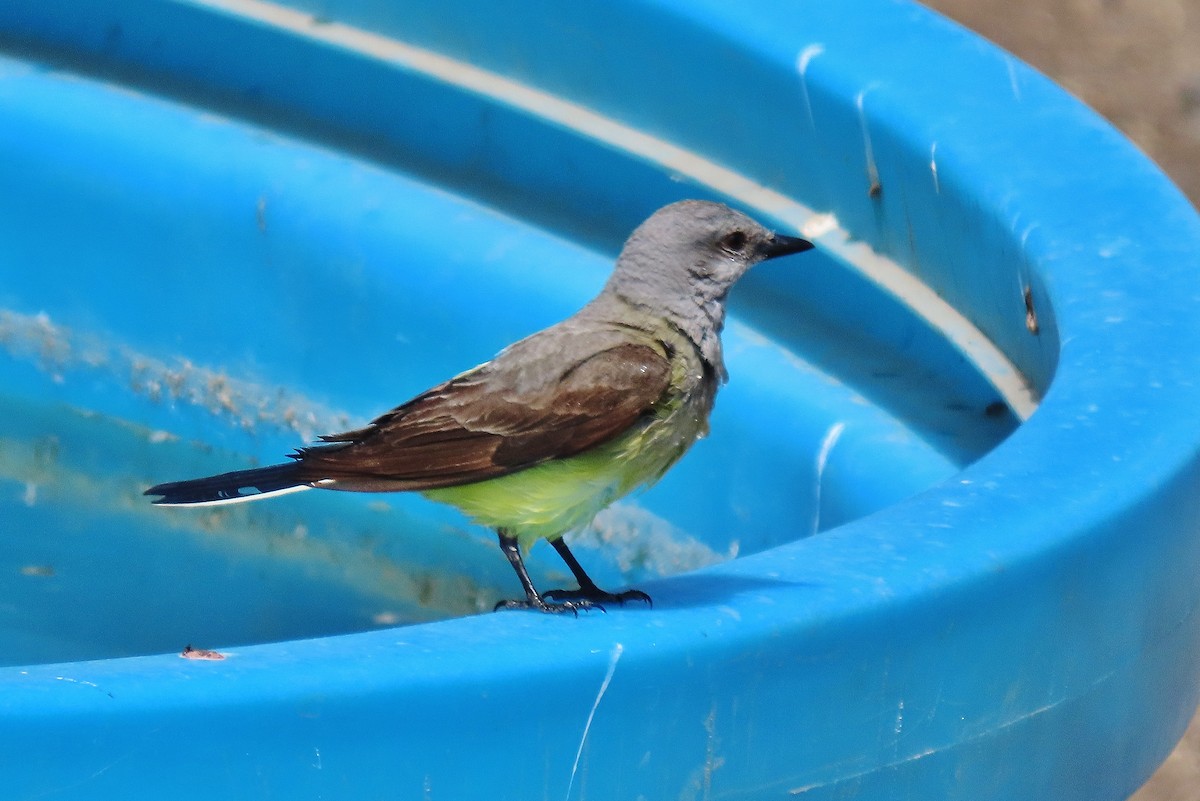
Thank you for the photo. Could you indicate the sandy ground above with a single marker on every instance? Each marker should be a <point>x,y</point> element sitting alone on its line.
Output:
<point>1137,62</point>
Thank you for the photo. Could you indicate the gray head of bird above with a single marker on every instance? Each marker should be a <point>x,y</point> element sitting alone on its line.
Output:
<point>683,260</point>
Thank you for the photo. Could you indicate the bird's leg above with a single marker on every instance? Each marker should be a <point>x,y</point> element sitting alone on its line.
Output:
<point>512,550</point>
<point>588,591</point>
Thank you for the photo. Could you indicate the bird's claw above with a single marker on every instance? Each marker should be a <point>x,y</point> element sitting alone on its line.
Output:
<point>597,596</point>
<point>538,604</point>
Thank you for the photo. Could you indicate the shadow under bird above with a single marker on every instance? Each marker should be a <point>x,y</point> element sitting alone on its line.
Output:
<point>562,423</point>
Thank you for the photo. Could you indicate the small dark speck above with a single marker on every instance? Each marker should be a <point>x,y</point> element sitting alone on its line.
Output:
<point>321,19</point>
<point>1031,320</point>
<point>875,190</point>
<point>996,409</point>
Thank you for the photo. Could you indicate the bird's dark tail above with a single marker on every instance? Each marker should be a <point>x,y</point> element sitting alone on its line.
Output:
<point>240,485</point>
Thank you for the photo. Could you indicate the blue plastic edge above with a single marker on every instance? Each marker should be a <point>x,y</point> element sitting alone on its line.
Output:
<point>1027,629</point>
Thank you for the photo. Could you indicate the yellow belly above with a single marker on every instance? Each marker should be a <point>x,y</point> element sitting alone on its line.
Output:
<point>555,497</point>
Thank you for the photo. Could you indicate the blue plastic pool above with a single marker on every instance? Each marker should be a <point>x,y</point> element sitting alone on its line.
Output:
<point>940,544</point>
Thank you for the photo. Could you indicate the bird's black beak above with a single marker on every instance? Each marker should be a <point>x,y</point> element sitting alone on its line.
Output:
<point>780,245</point>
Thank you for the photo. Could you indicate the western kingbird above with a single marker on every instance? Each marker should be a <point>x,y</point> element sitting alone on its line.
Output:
<point>562,423</point>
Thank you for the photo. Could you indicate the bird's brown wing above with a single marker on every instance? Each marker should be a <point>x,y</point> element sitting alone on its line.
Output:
<point>492,421</point>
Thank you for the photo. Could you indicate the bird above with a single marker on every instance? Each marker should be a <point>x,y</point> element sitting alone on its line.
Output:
<point>560,424</point>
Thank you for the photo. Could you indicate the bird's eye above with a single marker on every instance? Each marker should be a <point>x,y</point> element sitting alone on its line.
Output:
<point>734,242</point>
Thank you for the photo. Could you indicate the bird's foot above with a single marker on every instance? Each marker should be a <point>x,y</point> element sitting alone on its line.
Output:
<point>543,604</point>
<point>597,596</point>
